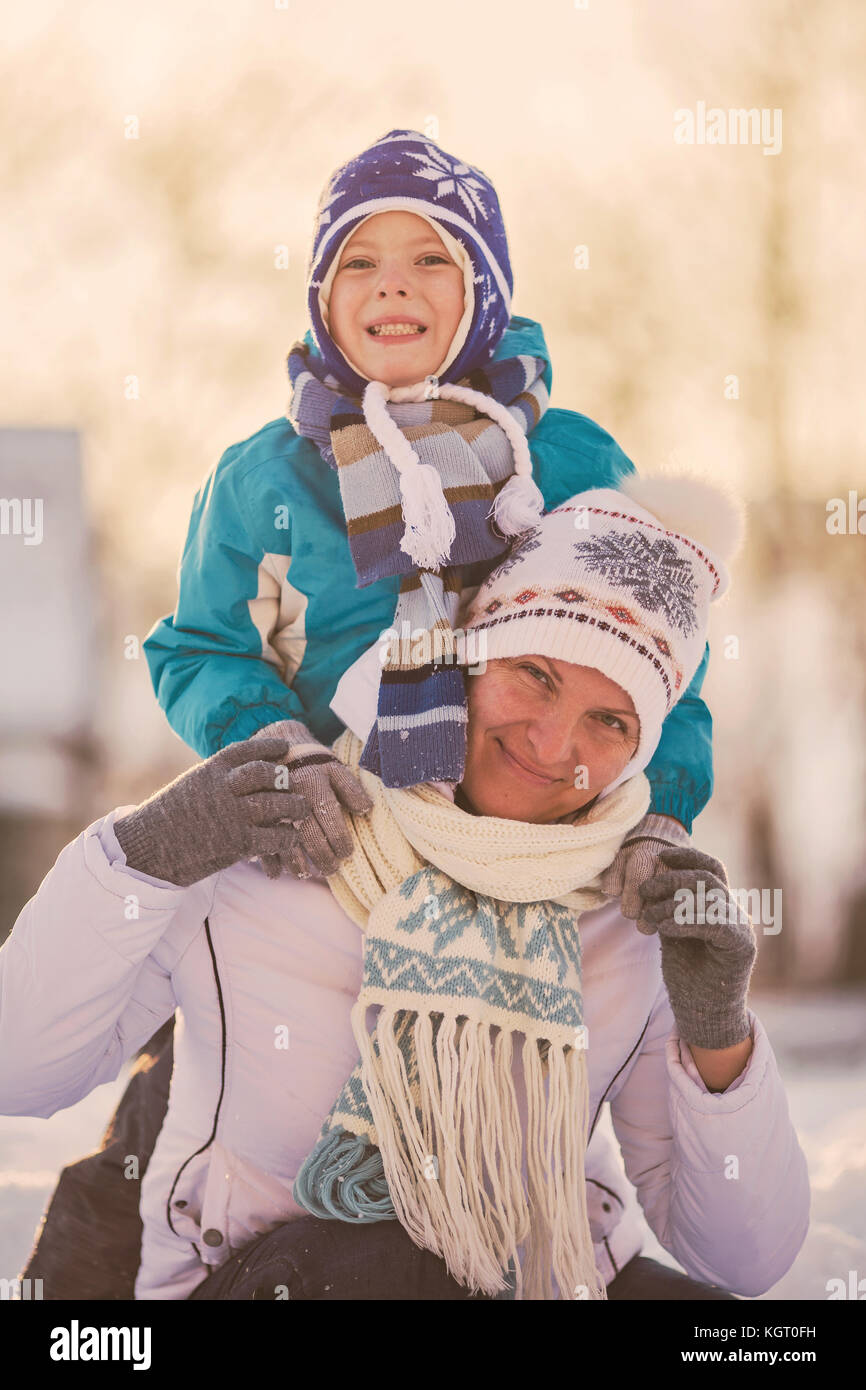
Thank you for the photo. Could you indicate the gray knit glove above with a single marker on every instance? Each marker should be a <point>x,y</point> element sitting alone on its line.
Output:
<point>324,838</point>
<point>706,965</point>
<point>222,810</point>
<point>636,861</point>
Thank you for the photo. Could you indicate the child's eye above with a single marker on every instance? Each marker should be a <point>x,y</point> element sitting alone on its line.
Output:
<point>365,260</point>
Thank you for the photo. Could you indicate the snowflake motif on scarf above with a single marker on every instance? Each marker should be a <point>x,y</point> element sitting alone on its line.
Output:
<point>448,914</point>
<point>651,569</point>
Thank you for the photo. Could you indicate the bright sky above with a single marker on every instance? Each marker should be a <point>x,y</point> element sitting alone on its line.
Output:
<point>154,258</point>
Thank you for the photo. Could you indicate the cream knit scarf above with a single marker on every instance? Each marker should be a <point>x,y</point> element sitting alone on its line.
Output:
<point>470,936</point>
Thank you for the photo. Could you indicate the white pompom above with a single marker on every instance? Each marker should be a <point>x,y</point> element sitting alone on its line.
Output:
<point>430,528</point>
<point>518,505</point>
<point>693,506</point>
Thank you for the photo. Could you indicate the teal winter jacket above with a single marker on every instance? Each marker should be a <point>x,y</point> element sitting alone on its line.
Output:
<point>268,615</point>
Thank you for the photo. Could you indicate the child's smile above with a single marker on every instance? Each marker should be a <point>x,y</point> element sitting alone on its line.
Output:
<point>397,299</point>
<point>396,328</point>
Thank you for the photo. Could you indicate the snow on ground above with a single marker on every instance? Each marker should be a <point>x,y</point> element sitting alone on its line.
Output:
<point>820,1044</point>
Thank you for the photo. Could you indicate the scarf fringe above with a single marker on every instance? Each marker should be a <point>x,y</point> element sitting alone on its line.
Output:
<point>465,1088</point>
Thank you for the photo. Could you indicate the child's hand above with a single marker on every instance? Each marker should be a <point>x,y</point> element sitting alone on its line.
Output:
<point>327,786</point>
<point>220,811</point>
<point>637,860</point>
<point>706,965</point>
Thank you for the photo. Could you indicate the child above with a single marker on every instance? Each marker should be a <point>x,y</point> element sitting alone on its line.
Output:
<point>420,443</point>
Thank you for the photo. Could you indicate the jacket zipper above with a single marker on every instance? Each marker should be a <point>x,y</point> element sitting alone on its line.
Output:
<point>210,1140</point>
<point>615,1075</point>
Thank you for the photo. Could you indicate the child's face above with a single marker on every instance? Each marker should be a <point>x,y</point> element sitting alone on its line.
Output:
<point>396,268</point>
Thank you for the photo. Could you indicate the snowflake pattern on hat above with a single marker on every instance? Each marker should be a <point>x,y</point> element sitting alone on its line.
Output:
<point>652,570</point>
<point>453,177</point>
<point>527,542</point>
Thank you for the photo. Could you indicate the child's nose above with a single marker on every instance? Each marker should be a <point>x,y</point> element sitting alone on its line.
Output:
<point>392,280</point>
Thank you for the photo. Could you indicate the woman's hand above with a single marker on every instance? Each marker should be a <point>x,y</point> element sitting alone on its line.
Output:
<point>224,809</point>
<point>328,787</point>
<point>637,860</point>
<point>706,964</point>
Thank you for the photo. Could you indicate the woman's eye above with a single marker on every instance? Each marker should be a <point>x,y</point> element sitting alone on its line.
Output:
<point>536,671</point>
<point>615,722</point>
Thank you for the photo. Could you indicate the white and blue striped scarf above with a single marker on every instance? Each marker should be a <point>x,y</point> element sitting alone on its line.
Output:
<point>420,733</point>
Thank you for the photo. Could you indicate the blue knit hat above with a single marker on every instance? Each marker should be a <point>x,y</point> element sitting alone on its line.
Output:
<point>404,171</point>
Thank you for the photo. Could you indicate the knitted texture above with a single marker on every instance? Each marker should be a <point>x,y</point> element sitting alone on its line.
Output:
<point>636,861</point>
<point>327,787</point>
<point>469,926</point>
<point>708,947</point>
<point>420,735</point>
<point>222,810</point>
<point>405,171</point>
<point>602,582</point>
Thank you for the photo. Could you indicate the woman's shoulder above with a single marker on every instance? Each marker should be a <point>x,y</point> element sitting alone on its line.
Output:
<point>253,913</point>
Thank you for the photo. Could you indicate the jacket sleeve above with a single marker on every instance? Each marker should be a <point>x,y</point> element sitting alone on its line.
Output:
<point>85,976</point>
<point>213,668</point>
<point>721,1177</point>
<point>681,771</point>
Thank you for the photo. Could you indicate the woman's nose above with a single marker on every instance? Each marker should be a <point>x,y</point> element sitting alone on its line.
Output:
<point>553,739</point>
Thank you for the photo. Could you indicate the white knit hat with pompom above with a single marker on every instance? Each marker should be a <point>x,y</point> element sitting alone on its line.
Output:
<point>620,581</point>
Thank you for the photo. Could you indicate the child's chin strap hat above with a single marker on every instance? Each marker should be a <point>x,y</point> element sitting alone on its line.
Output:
<point>405,171</point>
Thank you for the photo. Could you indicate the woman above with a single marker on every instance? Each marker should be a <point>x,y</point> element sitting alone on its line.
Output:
<point>482,1149</point>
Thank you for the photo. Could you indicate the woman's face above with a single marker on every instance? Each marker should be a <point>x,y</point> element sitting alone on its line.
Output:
<point>544,737</point>
<point>395,267</point>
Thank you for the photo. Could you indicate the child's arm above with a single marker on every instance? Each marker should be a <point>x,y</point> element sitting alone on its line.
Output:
<point>215,663</point>
<point>681,771</point>
<point>213,668</point>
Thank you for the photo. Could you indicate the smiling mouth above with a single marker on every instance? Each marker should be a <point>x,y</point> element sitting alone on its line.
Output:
<point>528,773</point>
<point>396,330</point>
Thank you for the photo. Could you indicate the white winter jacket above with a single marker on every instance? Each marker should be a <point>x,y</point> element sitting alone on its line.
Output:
<point>102,955</point>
